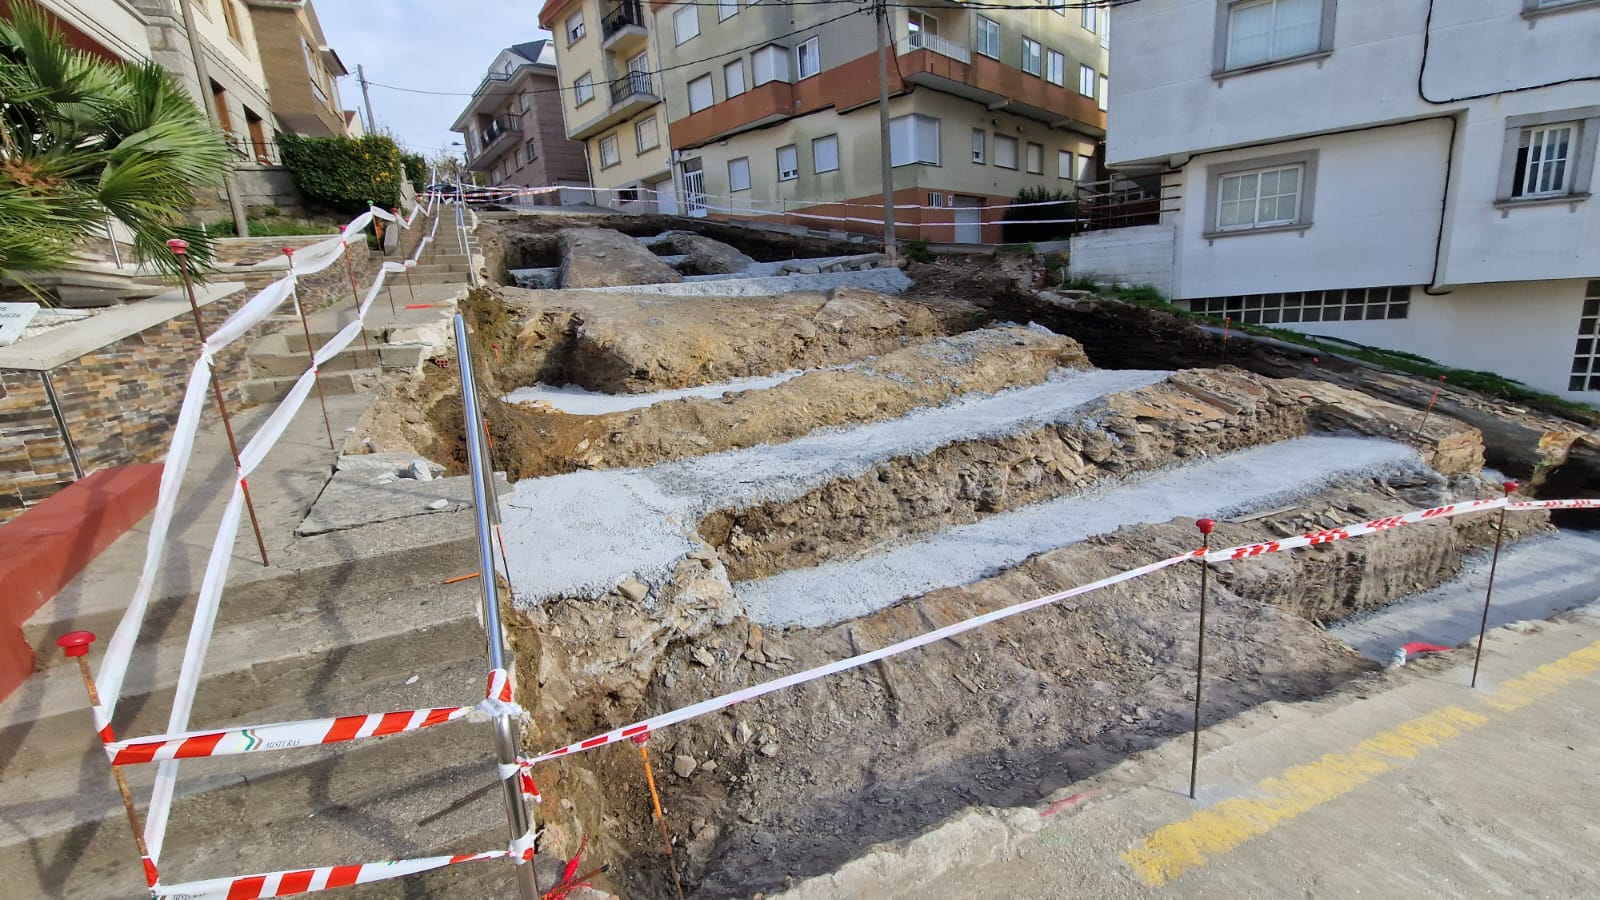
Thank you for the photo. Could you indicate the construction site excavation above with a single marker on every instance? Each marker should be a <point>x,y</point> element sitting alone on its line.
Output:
<point>733,457</point>
<point>726,456</point>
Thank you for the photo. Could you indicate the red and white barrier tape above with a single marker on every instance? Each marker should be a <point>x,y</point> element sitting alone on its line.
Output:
<point>308,732</point>
<point>642,729</point>
<point>290,882</point>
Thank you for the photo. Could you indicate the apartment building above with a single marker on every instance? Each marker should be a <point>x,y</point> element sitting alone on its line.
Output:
<point>302,70</point>
<point>512,126</point>
<point>772,111</point>
<point>1409,174</point>
<point>611,90</point>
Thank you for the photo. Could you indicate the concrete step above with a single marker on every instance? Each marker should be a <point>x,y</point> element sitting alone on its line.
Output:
<point>273,357</point>
<point>65,835</point>
<point>444,278</point>
<point>268,390</point>
<point>327,645</point>
<point>439,267</point>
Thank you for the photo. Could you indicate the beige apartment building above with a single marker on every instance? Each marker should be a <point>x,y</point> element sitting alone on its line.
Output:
<point>302,70</point>
<point>512,126</point>
<point>611,98</point>
<point>772,111</point>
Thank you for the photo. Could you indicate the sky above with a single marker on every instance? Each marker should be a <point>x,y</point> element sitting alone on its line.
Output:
<point>434,45</point>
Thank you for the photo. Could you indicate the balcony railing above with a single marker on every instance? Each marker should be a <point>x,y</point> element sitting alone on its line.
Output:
<point>628,12</point>
<point>499,127</point>
<point>922,40</point>
<point>630,84</point>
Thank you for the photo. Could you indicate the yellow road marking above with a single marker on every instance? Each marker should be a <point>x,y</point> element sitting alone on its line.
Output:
<point>1169,852</point>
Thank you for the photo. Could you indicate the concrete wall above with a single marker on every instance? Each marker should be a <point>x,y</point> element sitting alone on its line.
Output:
<point>263,186</point>
<point>111,24</point>
<point>1138,255</point>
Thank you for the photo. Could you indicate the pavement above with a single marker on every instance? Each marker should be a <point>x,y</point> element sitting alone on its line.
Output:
<point>1409,783</point>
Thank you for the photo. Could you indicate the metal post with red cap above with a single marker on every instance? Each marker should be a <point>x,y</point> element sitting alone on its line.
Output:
<point>311,351</point>
<point>400,245</point>
<point>1206,526</point>
<point>75,644</point>
<point>1510,487</point>
<point>350,270</point>
<point>180,249</point>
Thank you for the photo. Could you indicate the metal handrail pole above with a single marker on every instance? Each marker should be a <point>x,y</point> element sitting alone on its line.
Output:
<point>505,728</point>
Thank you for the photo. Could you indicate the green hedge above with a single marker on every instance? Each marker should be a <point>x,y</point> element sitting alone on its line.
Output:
<point>416,169</point>
<point>344,175</point>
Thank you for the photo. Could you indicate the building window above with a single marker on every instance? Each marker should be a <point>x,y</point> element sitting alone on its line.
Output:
<point>988,37</point>
<point>1035,159</point>
<point>733,78</point>
<point>644,134</point>
<point>1055,67</point>
<point>1272,192</point>
<point>574,28</point>
<point>1105,27</point>
<point>1030,56</point>
<point>727,9</point>
<point>610,154</point>
<point>1086,80</point>
<point>519,159</point>
<point>980,140</point>
<point>788,163</point>
<point>533,151</point>
<point>1005,151</point>
<point>685,23</point>
<point>919,24</point>
<point>582,89</point>
<point>1059,7</point>
<point>1352,305</point>
<point>770,63</point>
<point>739,174</point>
<point>232,17</point>
<point>825,154</point>
<point>1586,358</point>
<point>806,60</point>
<point>1549,155</point>
<point>936,199</point>
<point>1102,95</point>
<point>1536,6</point>
<point>1254,32</point>
<point>913,139</point>
<point>1064,164</point>
<point>700,93</point>
<point>1085,168</point>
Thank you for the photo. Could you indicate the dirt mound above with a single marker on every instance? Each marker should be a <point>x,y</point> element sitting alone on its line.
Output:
<point>600,257</point>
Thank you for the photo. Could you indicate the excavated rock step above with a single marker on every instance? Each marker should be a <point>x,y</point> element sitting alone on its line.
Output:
<point>634,522</point>
<point>708,255</point>
<point>1192,415</point>
<point>600,257</point>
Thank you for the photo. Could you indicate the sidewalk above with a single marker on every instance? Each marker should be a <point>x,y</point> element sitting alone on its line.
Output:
<point>1409,785</point>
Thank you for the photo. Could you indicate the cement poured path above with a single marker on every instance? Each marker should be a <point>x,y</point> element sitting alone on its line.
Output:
<point>1223,486</point>
<point>578,401</point>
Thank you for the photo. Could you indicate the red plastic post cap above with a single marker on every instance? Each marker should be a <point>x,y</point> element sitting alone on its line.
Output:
<point>288,251</point>
<point>75,643</point>
<point>178,246</point>
<point>1511,487</point>
<point>341,229</point>
<point>1206,526</point>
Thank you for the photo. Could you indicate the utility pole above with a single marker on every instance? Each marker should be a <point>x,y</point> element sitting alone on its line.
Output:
<point>891,250</point>
<point>372,123</point>
<point>241,225</point>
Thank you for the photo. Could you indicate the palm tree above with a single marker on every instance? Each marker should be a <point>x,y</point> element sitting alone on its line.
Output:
<point>84,140</point>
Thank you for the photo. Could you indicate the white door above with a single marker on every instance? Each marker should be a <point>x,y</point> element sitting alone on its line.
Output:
<point>969,220</point>
<point>694,192</point>
<point>666,198</point>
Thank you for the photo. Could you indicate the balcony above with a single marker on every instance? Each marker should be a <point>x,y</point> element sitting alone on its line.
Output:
<point>501,134</point>
<point>623,29</point>
<point>921,40</point>
<point>631,93</point>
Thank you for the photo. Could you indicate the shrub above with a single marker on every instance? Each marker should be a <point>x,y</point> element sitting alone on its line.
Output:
<point>1028,224</point>
<point>344,175</point>
<point>416,169</point>
<point>917,251</point>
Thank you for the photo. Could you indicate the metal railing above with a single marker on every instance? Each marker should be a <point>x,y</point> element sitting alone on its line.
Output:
<point>487,519</point>
<point>628,12</point>
<point>1123,202</point>
<point>630,84</point>
<point>499,127</point>
<point>922,40</point>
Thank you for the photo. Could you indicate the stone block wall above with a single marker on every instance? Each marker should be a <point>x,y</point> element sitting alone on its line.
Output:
<point>120,400</point>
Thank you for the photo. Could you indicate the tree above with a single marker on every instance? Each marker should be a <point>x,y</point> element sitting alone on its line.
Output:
<point>84,140</point>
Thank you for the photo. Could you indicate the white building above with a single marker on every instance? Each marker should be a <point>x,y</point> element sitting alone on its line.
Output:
<point>1411,174</point>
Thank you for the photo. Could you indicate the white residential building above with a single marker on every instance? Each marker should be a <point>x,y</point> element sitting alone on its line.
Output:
<point>1410,174</point>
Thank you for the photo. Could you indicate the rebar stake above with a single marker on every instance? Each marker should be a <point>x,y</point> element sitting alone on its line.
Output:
<point>180,249</point>
<point>355,295</point>
<point>661,819</point>
<point>1423,425</point>
<point>1510,487</point>
<point>75,644</point>
<point>1206,526</point>
<point>311,352</point>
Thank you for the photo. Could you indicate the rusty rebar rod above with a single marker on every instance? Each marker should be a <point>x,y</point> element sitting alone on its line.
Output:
<point>1510,488</point>
<point>1206,526</point>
